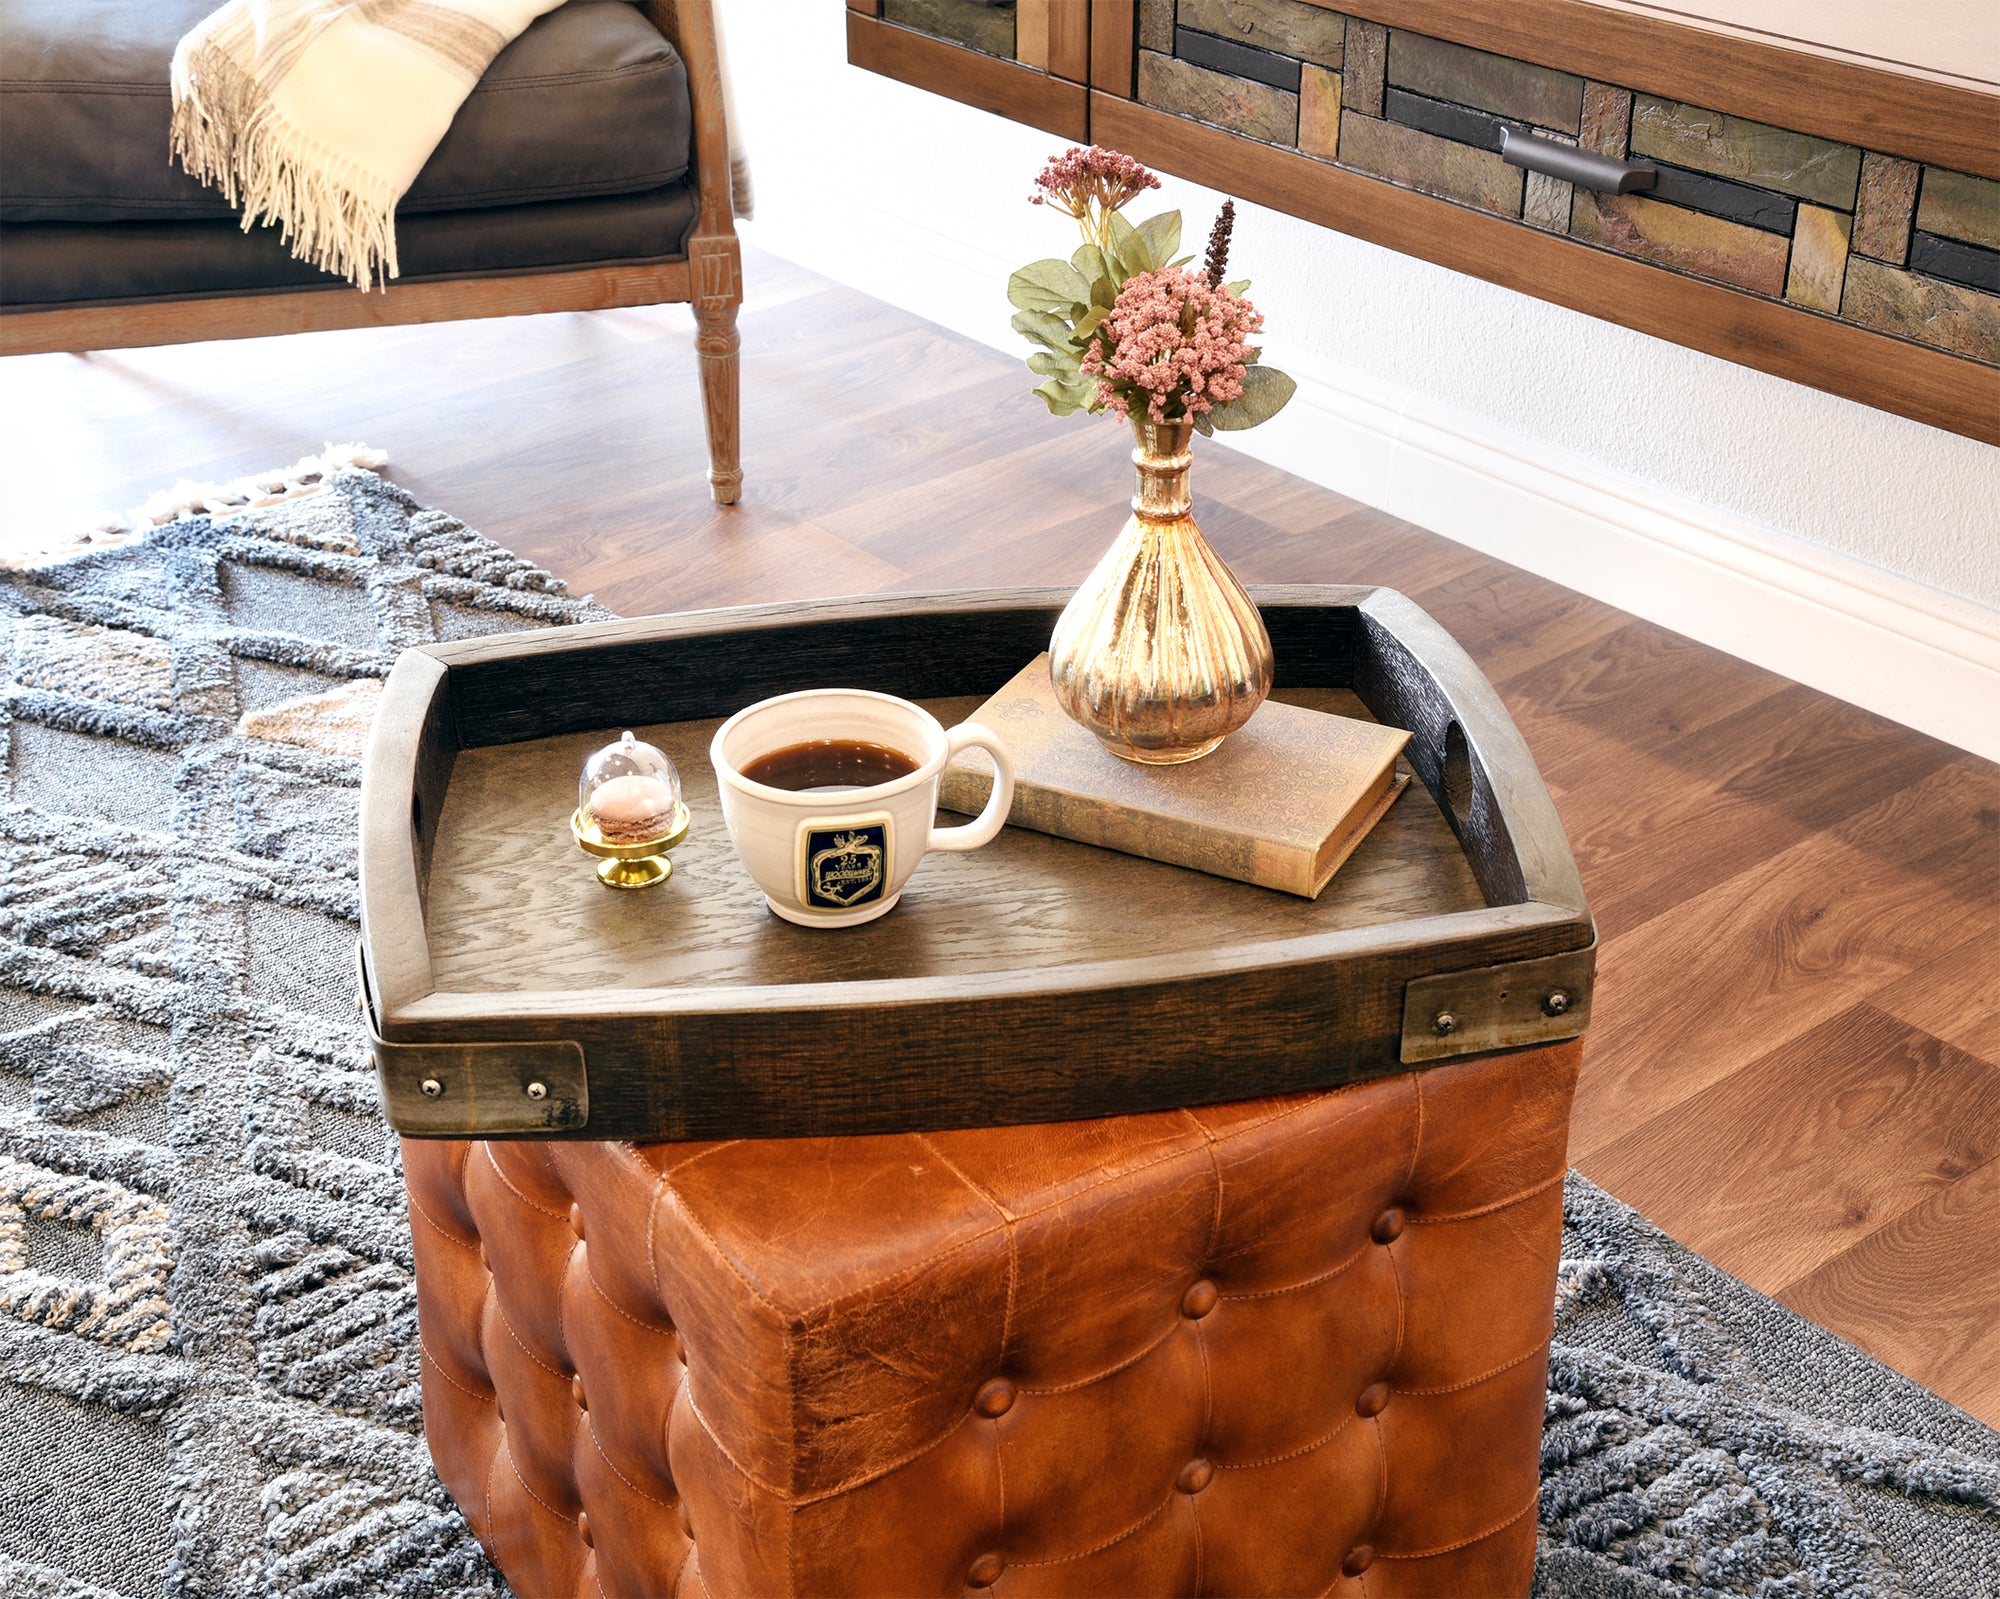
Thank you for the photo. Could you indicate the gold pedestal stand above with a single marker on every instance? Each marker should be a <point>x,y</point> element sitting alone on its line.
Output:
<point>638,865</point>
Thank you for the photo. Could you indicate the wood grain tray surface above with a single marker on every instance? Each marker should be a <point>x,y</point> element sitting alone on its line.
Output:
<point>1035,979</point>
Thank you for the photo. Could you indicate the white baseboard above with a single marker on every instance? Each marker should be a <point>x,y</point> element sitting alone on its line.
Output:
<point>1887,643</point>
<point>1900,648</point>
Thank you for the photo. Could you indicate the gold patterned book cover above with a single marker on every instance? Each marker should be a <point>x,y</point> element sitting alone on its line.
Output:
<point>1281,804</point>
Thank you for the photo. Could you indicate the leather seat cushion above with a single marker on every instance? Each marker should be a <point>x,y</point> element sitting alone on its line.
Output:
<point>590,100</point>
<point>1294,1346</point>
<point>72,263</point>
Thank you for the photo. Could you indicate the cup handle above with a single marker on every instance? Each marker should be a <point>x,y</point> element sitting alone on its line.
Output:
<point>983,827</point>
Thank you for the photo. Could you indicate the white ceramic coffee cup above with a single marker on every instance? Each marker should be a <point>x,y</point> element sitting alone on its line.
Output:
<point>840,859</point>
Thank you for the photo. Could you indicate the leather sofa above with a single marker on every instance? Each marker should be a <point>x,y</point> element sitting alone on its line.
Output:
<point>1291,1346</point>
<point>590,167</point>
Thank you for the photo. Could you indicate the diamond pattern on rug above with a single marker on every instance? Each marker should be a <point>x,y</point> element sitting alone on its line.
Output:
<point>128,1307</point>
<point>334,723</point>
<point>204,1253</point>
<point>116,662</point>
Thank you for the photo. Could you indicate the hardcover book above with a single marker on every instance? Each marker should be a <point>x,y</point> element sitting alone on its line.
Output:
<point>1281,804</point>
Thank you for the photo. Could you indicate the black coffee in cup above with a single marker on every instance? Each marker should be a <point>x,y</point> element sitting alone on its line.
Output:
<point>827,764</point>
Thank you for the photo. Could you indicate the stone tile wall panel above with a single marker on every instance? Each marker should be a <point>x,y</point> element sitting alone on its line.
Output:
<point>1422,161</point>
<point>1289,27</point>
<point>1916,307</point>
<point>1367,60</point>
<point>1734,147</point>
<point>1738,202</point>
<point>1907,251</point>
<point>987,29</point>
<point>1965,264</point>
<point>1688,241</point>
<point>1507,88</point>
<point>1546,201</point>
<point>1819,259</point>
<point>1237,60</point>
<point>1957,206</point>
<point>1253,109</point>
<point>1447,121</point>
<point>1607,120</point>
<point>1883,208</point>
<point>1319,113</point>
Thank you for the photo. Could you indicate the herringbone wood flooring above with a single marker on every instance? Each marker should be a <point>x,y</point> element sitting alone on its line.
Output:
<point>1796,1062</point>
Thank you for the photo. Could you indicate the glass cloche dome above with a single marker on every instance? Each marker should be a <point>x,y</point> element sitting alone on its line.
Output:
<point>630,792</point>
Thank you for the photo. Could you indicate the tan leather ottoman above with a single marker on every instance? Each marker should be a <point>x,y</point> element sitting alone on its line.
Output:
<point>1291,1346</point>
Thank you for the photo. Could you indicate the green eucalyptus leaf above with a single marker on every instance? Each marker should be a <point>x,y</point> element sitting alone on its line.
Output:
<point>1089,263</point>
<point>1050,364</point>
<point>1104,292</point>
<point>1063,398</point>
<point>1118,248</point>
<point>1265,391</point>
<point>1204,427</point>
<point>1049,285</point>
<point>1089,322</point>
<point>1156,240</point>
<point>1239,288</point>
<point>1052,332</point>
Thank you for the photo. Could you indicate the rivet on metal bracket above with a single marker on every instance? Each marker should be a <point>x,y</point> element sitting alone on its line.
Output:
<point>538,1090</point>
<point>432,1088</point>
<point>1509,1006</point>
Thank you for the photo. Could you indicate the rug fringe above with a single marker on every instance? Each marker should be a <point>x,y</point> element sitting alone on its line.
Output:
<point>307,476</point>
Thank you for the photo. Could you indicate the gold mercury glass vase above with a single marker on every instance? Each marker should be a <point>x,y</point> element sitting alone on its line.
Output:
<point>1161,654</point>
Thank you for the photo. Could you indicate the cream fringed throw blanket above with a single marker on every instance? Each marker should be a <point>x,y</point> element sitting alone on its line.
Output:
<point>318,114</point>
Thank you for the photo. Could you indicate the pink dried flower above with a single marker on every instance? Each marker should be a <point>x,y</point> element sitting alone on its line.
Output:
<point>1089,182</point>
<point>1175,344</point>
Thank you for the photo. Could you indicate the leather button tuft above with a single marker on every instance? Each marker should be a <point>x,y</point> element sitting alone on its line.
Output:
<point>1372,1400</point>
<point>583,1529</point>
<point>1388,1226</point>
<point>576,1393</point>
<point>1199,1300</point>
<point>576,1220</point>
<point>1358,1560</point>
<point>1195,1476</point>
<point>985,1571</point>
<point>995,1398</point>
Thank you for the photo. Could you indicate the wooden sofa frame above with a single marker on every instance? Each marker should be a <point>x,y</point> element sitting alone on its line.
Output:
<point>710,279</point>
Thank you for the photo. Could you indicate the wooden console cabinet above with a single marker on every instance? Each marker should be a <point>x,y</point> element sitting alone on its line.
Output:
<point>1825,203</point>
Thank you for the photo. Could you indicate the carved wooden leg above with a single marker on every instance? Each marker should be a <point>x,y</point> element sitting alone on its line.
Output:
<point>718,278</point>
<point>717,342</point>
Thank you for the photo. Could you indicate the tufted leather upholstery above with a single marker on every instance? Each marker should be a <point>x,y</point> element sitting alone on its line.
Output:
<point>1291,1346</point>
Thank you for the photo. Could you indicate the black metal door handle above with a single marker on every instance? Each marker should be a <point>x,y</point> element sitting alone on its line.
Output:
<point>1583,167</point>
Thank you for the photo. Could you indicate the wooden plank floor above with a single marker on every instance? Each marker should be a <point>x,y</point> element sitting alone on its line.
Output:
<point>1796,1060</point>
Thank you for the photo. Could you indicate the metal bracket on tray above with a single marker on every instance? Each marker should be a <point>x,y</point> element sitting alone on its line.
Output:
<point>1498,1007</point>
<point>470,1090</point>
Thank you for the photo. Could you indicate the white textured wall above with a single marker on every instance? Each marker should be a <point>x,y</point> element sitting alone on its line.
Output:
<point>851,168</point>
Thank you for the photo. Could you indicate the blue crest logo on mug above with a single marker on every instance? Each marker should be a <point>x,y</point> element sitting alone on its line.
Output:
<point>846,866</point>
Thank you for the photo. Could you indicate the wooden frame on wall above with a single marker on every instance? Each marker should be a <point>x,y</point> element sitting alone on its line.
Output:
<point>1891,374</point>
<point>1829,93</point>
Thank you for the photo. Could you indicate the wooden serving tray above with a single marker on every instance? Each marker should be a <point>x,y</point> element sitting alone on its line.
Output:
<point>508,994</point>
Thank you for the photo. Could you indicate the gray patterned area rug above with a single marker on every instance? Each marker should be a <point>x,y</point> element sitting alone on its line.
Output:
<point>208,1376</point>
